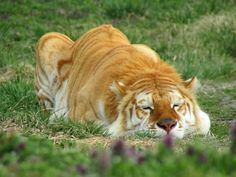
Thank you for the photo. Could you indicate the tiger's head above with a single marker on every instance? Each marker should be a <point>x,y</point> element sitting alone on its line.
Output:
<point>163,107</point>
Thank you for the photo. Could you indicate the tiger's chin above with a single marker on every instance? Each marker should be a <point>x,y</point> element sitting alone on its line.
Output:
<point>180,133</point>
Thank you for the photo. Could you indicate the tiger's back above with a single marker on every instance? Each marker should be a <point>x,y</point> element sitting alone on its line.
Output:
<point>65,67</point>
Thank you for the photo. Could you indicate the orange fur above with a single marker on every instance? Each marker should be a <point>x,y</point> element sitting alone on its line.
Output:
<point>87,68</point>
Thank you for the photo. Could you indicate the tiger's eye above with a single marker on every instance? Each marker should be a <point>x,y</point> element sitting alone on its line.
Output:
<point>175,106</point>
<point>147,108</point>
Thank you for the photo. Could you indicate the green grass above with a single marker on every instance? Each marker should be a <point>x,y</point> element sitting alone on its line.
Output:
<point>197,37</point>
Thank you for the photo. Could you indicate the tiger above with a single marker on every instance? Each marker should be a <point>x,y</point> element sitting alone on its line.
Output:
<point>126,87</point>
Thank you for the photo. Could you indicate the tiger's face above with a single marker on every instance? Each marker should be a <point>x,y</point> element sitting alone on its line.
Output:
<point>170,111</point>
<point>163,114</point>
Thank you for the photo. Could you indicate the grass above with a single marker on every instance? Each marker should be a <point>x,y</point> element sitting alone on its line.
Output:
<point>197,37</point>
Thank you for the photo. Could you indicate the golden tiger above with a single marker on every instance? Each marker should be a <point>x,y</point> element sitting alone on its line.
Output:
<point>126,87</point>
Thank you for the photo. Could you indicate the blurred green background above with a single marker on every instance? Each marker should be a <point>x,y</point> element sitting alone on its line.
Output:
<point>198,37</point>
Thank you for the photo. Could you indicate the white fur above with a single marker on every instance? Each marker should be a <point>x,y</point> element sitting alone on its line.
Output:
<point>204,123</point>
<point>144,100</point>
<point>134,120</point>
<point>47,104</point>
<point>101,112</point>
<point>60,107</point>
<point>115,128</point>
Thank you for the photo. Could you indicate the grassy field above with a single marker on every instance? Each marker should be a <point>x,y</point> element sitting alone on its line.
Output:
<point>197,37</point>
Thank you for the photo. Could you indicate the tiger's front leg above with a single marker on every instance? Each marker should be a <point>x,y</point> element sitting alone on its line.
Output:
<point>53,60</point>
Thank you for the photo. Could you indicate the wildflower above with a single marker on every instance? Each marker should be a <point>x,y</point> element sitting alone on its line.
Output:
<point>140,158</point>
<point>131,152</point>
<point>94,154</point>
<point>190,151</point>
<point>119,148</point>
<point>168,141</point>
<point>81,169</point>
<point>20,147</point>
<point>202,157</point>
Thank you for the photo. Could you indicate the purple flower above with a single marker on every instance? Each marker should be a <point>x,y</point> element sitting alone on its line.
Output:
<point>131,152</point>
<point>202,158</point>
<point>168,141</point>
<point>20,147</point>
<point>119,148</point>
<point>94,154</point>
<point>140,158</point>
<point>190,151</point>
<point>81,169</point>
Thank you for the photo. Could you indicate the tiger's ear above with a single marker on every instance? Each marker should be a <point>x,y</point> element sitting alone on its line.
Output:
<point>118,88</point>
<point>192,84</point>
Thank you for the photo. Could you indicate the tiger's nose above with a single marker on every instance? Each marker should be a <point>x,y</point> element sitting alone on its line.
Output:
<point>167,124</point>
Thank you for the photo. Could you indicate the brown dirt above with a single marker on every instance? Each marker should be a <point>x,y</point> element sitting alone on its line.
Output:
<point>108,141</point>
<point>58,137</point>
